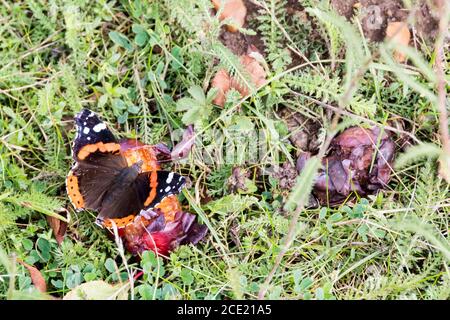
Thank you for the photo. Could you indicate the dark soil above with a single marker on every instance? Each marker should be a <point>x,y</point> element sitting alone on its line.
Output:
<point>303,131</point>
<point>235,41</point>
<point>427,23</point>
<point>239,43</point>
<point>376,14</point>
<point>344,7</point>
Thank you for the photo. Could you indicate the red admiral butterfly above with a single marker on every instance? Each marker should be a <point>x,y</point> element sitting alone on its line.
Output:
<point>102,180</point>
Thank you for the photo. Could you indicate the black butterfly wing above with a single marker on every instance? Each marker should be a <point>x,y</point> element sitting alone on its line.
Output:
<point>91,179</point>
<point>148,189</point>
<point>92,133</point>
<point>162,184</point>
<point>97,161</point>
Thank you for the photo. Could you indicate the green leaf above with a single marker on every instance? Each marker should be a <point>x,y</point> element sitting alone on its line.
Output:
<point>362,231</point>
<point>319,294</point>
<point>297,276</point>
<point>137,9</point>
<point>379,233</point>
<point>133,109</point>
<point>57,283</point>
<point>323,213</point>
<point>149,257</point>
<point>191,116</point>
<point>243,123</point>
<point>187,277</point>
<point>121,40</point>
<point>137,28</point>
<point>90,276</point>
<point>119,105</point>
<point>250,187</point>
<point>198,94</point>
<point>335,217</point>
<point>355,55</point>
<point>44,248</point>
<point>123,117</point>
<point>233,65</point>
<point>306,283</point>
<point>102,101</point>
<point>177,61</point>
<point>185,104</point>
<point>141,39</point>
<point>110,265</point>
<point>146,291</point>
<point>405,78</point>
<point>27,244</point>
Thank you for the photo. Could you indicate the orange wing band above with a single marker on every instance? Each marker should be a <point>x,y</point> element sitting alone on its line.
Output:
<point>74,191</point>
<point>120,223</point>
<point>153,185</point>
<point>99,146</point>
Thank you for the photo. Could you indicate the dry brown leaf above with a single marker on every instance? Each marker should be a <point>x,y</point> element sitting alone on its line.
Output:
<point>223,82</point>
<point>59,228</point>
<point>399,34</point>
<point>36,277</point>
<point>256,71</point>
<point>233,9</point>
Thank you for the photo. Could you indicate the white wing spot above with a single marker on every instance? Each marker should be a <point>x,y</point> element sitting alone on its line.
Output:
<point>86,130</point>
<point>91,114</point>
<point>89,138</point>
<point>85,123</point>
<point>169,178</point>
<point>167,189</point>
<point>99,127</point>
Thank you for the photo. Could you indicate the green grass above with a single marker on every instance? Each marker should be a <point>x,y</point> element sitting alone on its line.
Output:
<point>131,62</point>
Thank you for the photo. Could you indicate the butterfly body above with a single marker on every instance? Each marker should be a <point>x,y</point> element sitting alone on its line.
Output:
<point>103,180</point>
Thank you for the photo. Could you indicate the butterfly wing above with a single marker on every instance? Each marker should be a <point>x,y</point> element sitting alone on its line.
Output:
<point>92,135</point>
<point>148,189</point>
<point>90,179</point>
<point>97,161</point>
<point>102,181</point>
<point>162,184</point>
